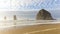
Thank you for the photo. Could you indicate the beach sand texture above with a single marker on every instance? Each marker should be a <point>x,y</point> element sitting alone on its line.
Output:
<point>34,29</point>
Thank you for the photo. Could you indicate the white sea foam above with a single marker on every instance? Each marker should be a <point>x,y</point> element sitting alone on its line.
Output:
<point>7,24</point>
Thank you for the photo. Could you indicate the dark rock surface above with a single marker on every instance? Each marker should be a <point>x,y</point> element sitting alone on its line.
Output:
<point>44,15</point>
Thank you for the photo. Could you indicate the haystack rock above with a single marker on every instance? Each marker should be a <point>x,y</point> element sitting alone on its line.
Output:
<point>44,15</point>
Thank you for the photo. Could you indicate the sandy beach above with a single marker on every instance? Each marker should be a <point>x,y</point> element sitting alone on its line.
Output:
<point>34,29</point>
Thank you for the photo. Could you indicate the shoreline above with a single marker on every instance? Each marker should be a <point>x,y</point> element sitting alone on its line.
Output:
<point>28,29</point>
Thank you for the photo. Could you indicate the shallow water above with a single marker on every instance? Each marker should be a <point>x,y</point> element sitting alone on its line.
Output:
<point>11,23</point>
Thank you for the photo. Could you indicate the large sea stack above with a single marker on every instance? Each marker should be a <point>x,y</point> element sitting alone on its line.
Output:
<point>44,15</point>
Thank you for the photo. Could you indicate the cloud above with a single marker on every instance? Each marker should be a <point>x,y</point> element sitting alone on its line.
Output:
<point>25,4</point>
<point>14,5</point>
<point>39,4</point>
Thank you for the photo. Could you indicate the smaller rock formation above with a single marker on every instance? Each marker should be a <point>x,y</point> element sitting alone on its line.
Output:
<point>15,18</point>
<point>5,17</point>
<point>44,15</point>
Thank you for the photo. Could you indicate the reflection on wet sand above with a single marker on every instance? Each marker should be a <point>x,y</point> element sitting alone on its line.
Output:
<point>34,29</point>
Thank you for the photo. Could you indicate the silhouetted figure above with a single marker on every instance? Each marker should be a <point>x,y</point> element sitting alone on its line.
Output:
<point>44,15</point>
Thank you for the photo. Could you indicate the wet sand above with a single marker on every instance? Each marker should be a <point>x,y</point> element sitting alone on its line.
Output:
<point>35,29</point>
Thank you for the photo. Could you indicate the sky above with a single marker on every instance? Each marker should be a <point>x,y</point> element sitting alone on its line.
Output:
<point>20,5</point>
<point>53,6</point>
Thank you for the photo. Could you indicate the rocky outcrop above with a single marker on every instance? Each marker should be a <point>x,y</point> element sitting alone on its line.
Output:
<point>15,18</point>
<point>44,15</point>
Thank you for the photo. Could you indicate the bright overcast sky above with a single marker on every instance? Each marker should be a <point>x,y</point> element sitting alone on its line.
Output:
<point>18,5</point>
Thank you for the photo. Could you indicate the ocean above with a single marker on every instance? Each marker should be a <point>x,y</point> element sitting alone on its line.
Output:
<point>21,15</point>
<point>22,23</point>
<point>25,18</point>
